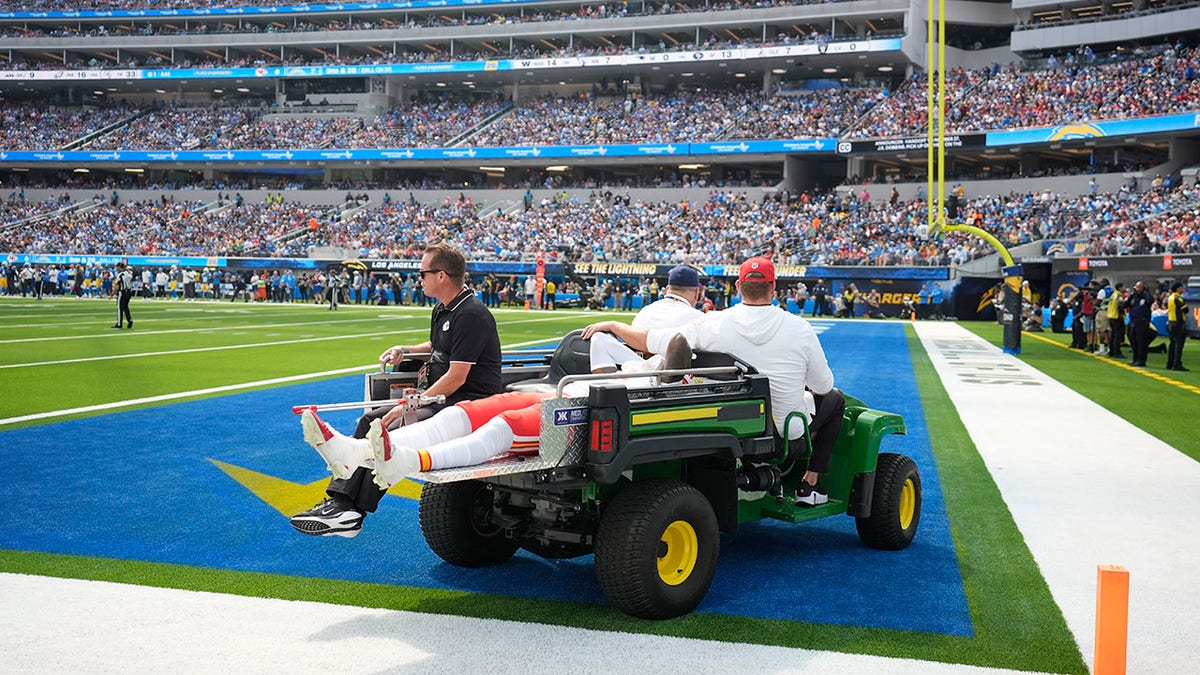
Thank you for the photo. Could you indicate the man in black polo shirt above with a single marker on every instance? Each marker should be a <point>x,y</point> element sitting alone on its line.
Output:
<point>465,365</point>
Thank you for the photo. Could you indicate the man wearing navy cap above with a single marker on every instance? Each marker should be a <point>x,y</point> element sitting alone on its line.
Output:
<point>780,345</point>
<point>677,303</point>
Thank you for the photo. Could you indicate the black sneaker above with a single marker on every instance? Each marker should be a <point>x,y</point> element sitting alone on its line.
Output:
<point>330,518</point>
<point>809,495</point>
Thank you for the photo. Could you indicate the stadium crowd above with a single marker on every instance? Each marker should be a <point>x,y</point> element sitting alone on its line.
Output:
<point>833,228</point>
<point>1165,81</point>
<point>162,227</point>
<point>1077,88</point>
<point>206,25</point>
<point>1072,90</point>
<point>37,127</point>
<point>399,54</point>
<point>431,120</point>
<point>583,120</point>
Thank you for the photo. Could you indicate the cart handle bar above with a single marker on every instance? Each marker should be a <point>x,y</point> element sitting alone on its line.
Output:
<point>568,379</point>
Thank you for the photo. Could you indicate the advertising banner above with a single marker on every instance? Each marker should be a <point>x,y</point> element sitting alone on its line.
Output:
<point>909,144</point>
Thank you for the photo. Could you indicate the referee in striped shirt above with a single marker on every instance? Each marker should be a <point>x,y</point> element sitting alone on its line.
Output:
<point>124,286</point>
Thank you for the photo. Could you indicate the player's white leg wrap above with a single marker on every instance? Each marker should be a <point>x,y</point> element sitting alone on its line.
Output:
<point>489,440</point>
<point>452,422</point>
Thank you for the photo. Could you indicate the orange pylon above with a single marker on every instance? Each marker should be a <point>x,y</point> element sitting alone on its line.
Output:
<point>1112,619</point>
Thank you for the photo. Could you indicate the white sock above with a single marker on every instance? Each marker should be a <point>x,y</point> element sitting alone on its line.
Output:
<point>491,439</point>
<point>452,422</point>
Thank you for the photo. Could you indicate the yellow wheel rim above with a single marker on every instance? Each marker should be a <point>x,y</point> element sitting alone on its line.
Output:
<point>908,503</point>
<point>678,553</point>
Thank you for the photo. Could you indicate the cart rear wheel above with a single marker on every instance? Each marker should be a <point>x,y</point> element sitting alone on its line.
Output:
<point>456,521</point>
<point>656,549</point>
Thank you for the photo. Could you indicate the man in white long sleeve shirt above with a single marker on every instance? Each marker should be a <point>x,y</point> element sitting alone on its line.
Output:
<point>780,345</point>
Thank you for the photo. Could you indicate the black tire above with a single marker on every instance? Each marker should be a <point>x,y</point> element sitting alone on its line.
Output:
<point>456,521</point>
<point>895,504</point>
<point>656,549</point>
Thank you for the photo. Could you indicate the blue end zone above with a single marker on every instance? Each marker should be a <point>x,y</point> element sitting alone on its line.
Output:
<point>138,485</point>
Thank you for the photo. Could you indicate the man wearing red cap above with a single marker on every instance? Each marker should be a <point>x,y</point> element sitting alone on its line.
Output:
<point>780,345</point>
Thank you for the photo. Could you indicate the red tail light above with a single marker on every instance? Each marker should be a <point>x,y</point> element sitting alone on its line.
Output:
<point>602,436</point>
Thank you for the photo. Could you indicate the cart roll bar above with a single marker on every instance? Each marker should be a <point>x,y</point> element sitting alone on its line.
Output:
<point>568,379</point>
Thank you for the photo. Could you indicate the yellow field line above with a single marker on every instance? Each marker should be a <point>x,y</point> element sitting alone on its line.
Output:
<point>1121,364</point>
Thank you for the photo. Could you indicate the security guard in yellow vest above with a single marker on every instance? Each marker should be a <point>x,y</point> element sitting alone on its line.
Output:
<point>1116,321</point>
<point>1176,327</point>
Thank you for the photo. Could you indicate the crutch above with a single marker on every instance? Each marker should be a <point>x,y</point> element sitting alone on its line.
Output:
<point>412,399</point>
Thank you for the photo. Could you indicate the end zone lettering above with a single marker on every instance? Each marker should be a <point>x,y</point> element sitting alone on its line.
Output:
<point>897,298</point>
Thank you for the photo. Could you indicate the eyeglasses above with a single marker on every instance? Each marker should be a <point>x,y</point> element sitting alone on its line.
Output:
<point>422,273</point>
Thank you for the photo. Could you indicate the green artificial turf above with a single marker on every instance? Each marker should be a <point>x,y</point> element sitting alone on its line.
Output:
<point>243,343</point>
<point>1009,600</point>
<point>1016,623</point>
<point>1153,399</point>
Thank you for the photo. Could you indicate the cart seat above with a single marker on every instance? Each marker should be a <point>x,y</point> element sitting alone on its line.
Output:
<point>572,357</point>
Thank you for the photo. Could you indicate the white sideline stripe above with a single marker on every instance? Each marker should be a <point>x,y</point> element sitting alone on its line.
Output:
<point>182,394</point>
<point>541,319</point>
<point>241,346</point>
<point>73,625</point>
<point>182,330</point>
<point>194,350</point>
<point>215,390</point>
<point>1086,488</point>
<point>204,314</point>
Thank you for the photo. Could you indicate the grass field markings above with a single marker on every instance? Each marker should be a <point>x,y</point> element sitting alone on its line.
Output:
<point>225,388</point>
<point>182,330</point>
<point>1121,364</point>
<point>162,398</point>
<point>1009,596</point>
<point>1078,490</point>
<point>195,350</point>
<point>839,638</point>
<point>66,308</point>
<point>288,497</point>
<point>57,629</point>
<point>73,302</point>
<point>567,312</point>
<point>996,649</point>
